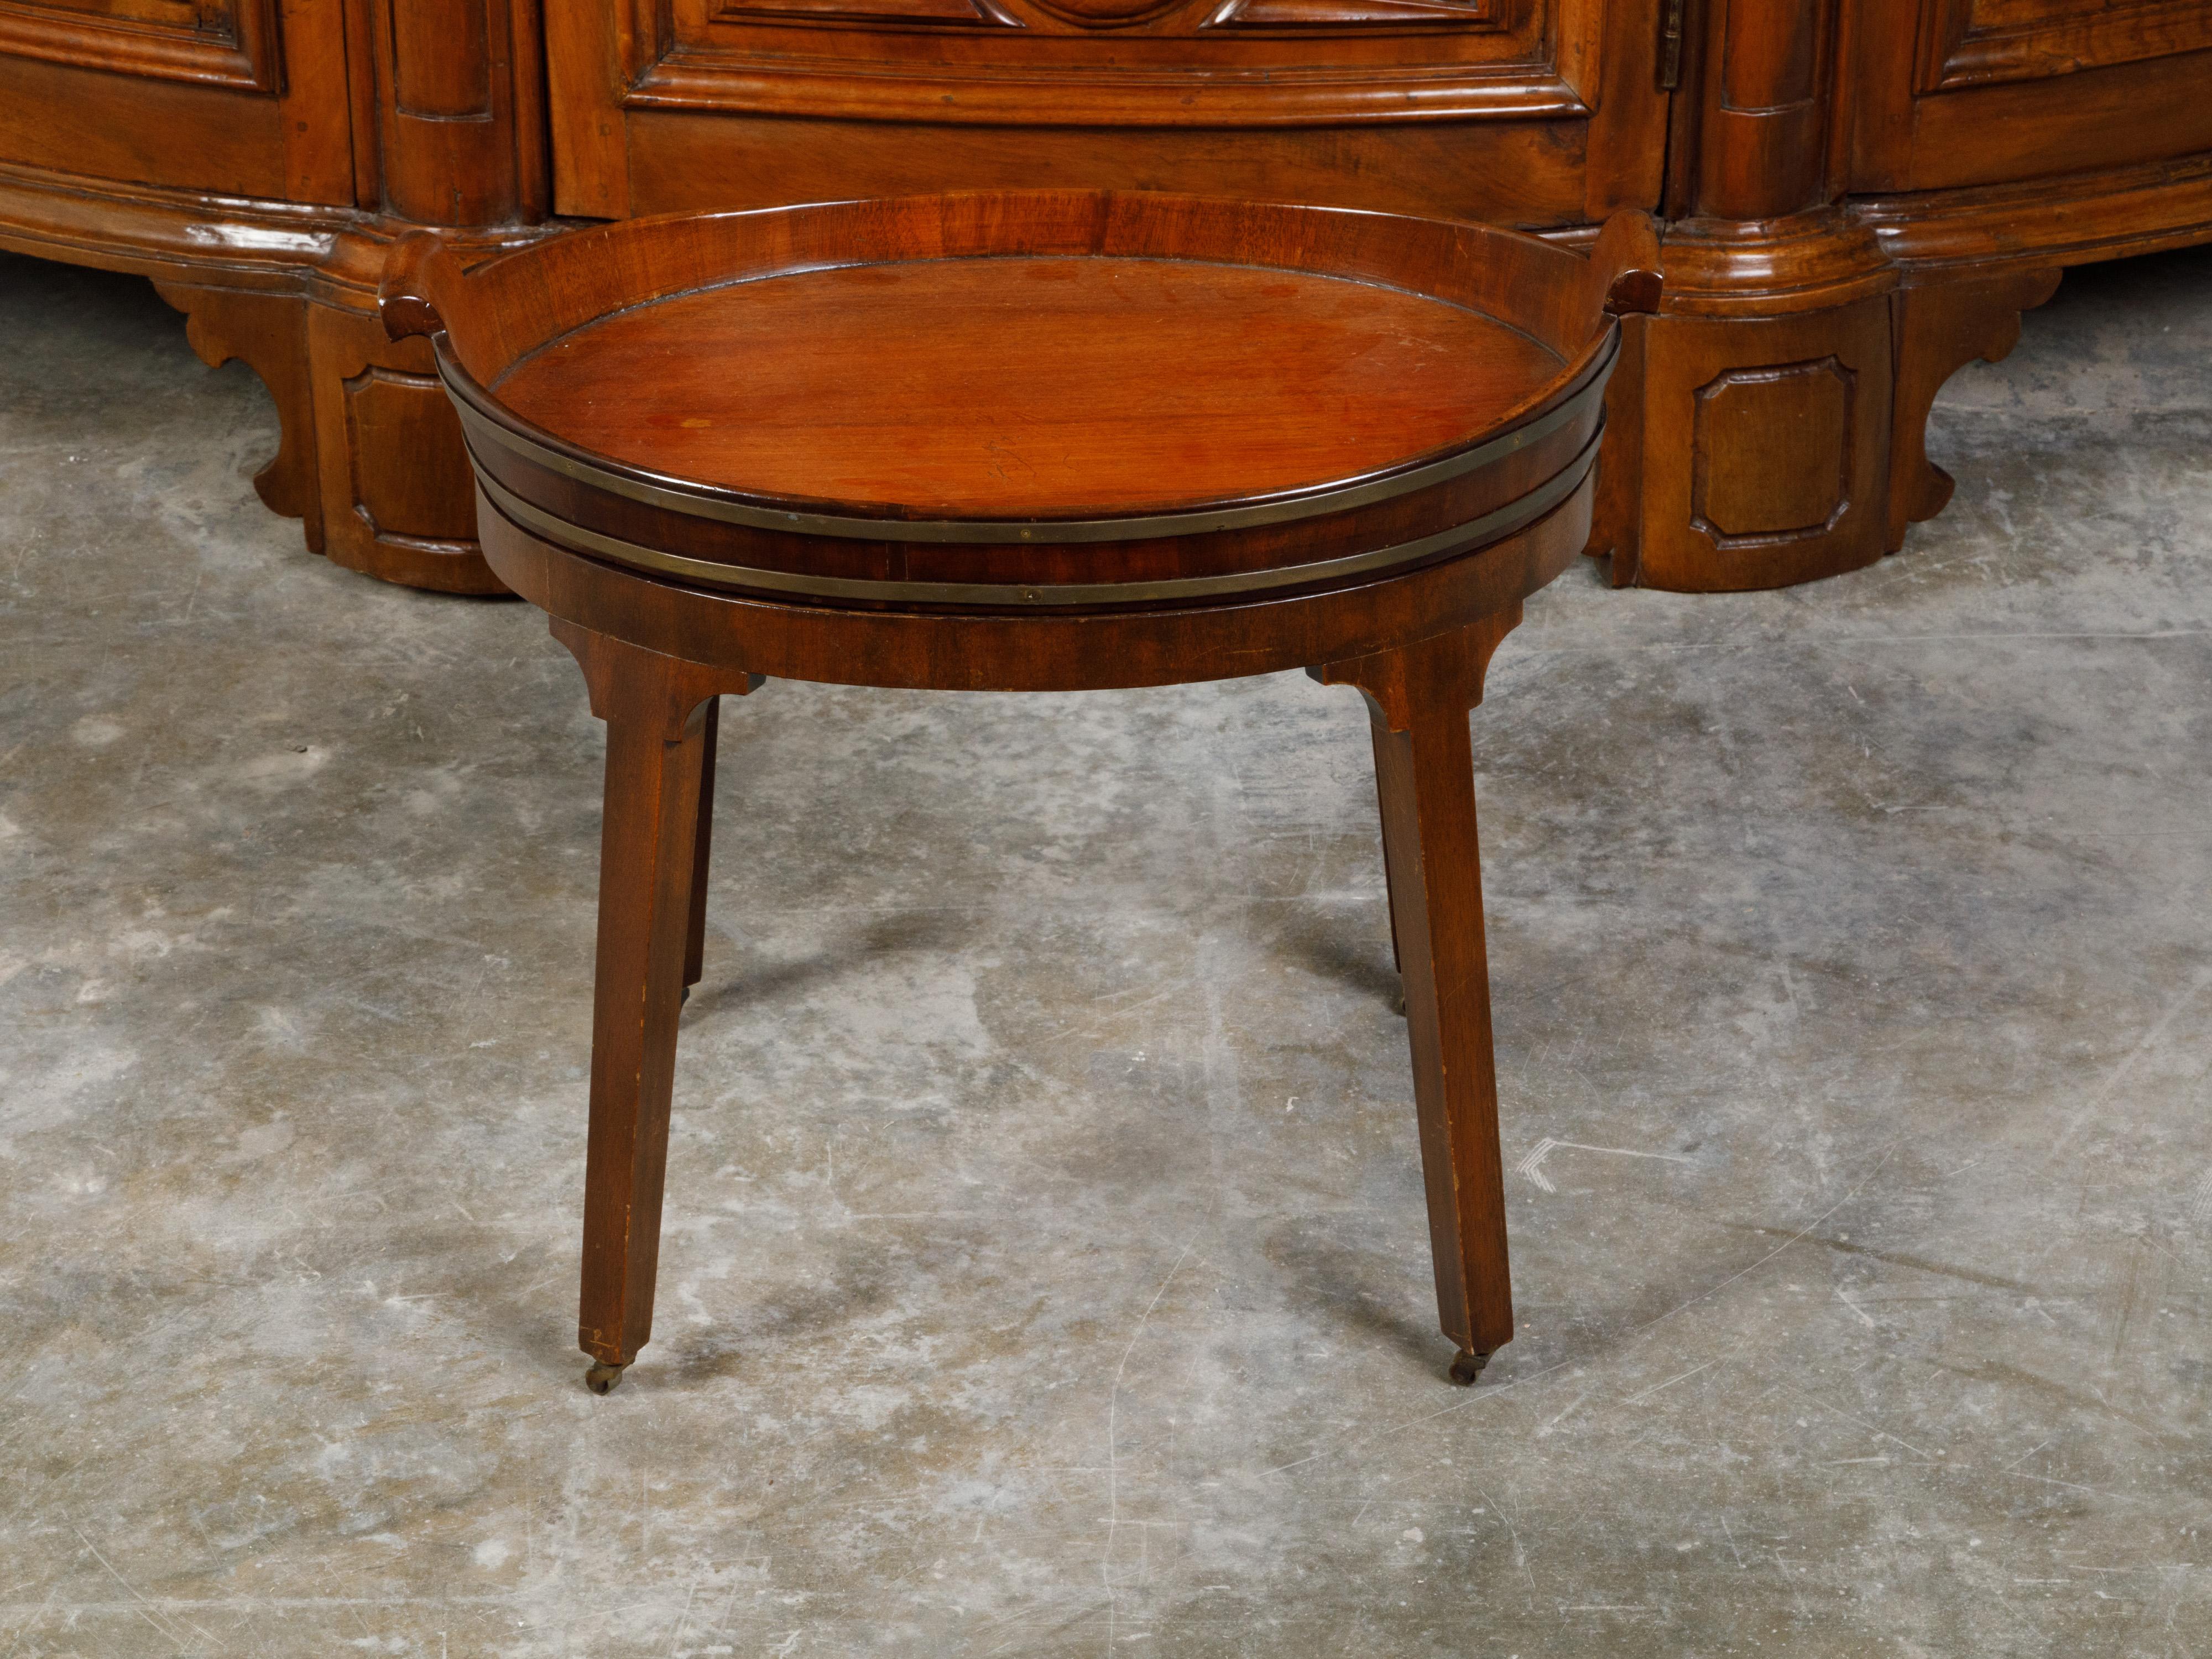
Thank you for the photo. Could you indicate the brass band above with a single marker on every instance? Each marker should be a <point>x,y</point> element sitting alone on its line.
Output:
<point>1515,515</point>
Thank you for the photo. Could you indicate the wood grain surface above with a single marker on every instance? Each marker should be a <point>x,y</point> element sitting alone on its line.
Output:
<point>1006,388</point>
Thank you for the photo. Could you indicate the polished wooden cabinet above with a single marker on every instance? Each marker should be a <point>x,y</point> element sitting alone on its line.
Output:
<point>256,158</point>
<point>1858,196</point>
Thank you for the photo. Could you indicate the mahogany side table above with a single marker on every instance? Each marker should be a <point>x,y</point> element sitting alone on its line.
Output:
<point>1048,441</point>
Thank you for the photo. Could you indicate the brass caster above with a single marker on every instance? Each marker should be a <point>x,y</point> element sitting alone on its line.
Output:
<point>1467,1367</point>
<point>601,1379</point>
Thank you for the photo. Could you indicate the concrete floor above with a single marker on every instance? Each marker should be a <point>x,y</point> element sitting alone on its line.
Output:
<point>1045,1270</point>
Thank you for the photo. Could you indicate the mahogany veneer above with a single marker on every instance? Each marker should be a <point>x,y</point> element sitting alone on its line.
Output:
<point>1237,439</point>
<point>1031,385</point>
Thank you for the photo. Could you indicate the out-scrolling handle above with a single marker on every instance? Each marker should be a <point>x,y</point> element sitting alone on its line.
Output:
<point>421,287</point>
<point>1625,272</point>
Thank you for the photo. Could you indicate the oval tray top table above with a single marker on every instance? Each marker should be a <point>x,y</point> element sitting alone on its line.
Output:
<point>1037,441</point>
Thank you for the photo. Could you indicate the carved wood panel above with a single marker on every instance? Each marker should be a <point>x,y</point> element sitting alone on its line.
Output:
<point>399,498</point>
<point>225,43</point>
<point>1967,43</point>
<point>1764,456</point>
<point>411,473</point>
<point>1771,452</point>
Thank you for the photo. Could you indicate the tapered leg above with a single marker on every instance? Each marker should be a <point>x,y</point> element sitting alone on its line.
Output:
<point>645,849</point>
<point>1417,702</point>
<point>695,950</point>
<point>1427,778</point>
<point>1389,889</point>
<point>657,713</point>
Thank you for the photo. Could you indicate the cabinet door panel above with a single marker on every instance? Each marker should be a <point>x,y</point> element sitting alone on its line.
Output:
<point>240,96</point>
<point>2149,110</point>
<point>1977,42</point>
<point>211,42</point>
<point>1542,111</point>
<point>1956,93</point>
<point>1148,63</point>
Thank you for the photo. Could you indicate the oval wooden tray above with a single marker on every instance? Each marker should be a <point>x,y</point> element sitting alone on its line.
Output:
<point>1029,442</point>
<point>1064,400</point>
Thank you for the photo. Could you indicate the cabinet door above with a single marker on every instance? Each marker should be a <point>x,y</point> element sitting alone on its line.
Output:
<point>245,97</point>
<point>1976,91</point>
<point>1525,111</point>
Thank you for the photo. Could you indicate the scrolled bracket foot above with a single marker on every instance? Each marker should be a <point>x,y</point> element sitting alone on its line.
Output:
<point>267,331</point>
<point>1938,328</point>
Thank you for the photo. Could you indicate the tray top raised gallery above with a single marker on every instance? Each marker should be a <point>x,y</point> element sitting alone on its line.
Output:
<point>1029,399</point>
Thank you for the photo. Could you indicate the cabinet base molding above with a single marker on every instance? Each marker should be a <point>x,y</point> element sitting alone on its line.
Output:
<point>1764,450</point>
<point>1939,327</point>
<point>1783,391</point>
<point>2075,219</point>
<point>370,458</point>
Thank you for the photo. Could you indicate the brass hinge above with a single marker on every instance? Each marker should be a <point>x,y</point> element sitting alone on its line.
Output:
<point>1670,45</point>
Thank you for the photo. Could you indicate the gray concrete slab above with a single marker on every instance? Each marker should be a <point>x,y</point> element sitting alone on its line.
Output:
<point>1045,1269</point>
